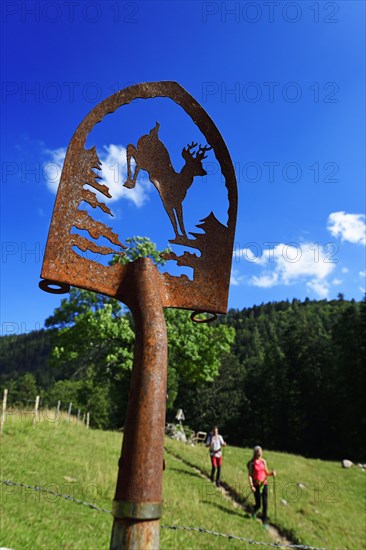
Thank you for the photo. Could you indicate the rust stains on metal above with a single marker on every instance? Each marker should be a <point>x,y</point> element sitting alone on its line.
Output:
<point>63,263</point>
<point>138,497</point>
<point>136,535</point>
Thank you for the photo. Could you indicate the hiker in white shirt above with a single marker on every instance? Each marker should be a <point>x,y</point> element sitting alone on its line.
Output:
<point>216,443</point>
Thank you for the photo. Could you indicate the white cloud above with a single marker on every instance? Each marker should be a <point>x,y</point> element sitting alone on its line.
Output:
<point>265,281</point>
<point>294,263</point>
<point>337,282</point>
<point>321,288</point>
<point>307,259</point>
<point>345,270</point>
<point>248,255</point>
<point>349,227</point>
<point>113,173</point>
<point>362,274</point>
<point>235,278</point>
<point>363,290</point>
<point>52,169</point>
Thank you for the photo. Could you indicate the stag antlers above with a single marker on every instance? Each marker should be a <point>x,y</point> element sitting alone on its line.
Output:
<point>200,153</point>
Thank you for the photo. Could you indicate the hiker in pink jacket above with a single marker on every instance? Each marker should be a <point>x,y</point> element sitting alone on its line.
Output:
<point>258,473</point>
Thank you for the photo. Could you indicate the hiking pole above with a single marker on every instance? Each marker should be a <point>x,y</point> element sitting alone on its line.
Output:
<point>274,496</point>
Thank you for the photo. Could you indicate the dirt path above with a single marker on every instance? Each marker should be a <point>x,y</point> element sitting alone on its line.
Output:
<point>229,494</point>
<point>272,530</point>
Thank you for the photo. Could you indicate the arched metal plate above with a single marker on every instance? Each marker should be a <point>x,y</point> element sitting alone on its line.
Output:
<point>208,291</point>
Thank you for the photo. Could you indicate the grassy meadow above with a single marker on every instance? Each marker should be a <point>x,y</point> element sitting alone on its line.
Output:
<point>328,510</point>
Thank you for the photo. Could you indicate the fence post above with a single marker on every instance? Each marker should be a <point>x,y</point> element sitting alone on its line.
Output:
<point>57,410</point>
<point>87,419</point>
<point>3,414</point>
<point>69,412</point>
<point>35,414</point>
<point>78,417</point>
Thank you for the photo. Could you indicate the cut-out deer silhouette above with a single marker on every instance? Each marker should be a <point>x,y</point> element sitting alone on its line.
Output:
<point>152,156</point>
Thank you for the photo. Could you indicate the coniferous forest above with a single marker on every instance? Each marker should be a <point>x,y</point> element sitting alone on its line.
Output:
<point>289,376</point>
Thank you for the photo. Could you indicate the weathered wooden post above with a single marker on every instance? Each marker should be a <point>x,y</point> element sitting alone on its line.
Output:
<point>137,506</point>
<point>58,409</point>
<point>35,411</point>
<point>3,413</point>
<point>69,412</point>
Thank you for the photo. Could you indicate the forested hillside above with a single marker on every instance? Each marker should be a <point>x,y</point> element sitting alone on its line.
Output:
<point>289,376</point>
<point>295,380</point>
<point>24,353</point>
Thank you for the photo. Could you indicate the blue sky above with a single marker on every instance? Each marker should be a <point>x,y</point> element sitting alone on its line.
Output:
<point>283,81</point>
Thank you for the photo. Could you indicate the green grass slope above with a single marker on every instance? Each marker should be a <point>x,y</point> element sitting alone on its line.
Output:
<point>68,459</point>
<point>325,504</point>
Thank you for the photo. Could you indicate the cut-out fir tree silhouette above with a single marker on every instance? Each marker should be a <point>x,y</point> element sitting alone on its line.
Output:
<point>82,220</point>
<point>152,156</point>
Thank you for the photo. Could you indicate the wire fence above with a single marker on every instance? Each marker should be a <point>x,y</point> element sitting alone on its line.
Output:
<point>172,527</point>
